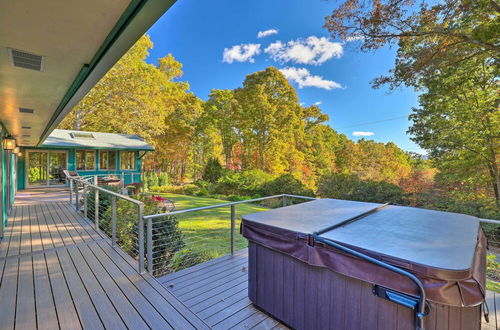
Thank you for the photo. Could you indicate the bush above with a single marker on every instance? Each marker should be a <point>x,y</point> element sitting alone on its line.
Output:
<point>168,189</point>
<point>213,170</point>
<point>163,179</point>
<point>243,183</point>
<point>167,235</point>
<point>350,187</point>
<point>285,184</point>
<point>188,258</point>
<point>237,198</point>
<point>203,192</point>
<point>191,189</point>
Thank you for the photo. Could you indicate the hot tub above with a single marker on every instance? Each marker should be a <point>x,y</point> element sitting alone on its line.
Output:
<point>335,264</point>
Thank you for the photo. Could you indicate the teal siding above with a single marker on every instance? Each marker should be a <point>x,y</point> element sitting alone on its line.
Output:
<point>21,168</point>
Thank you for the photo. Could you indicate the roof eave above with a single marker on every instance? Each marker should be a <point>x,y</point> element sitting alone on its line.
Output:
<point>135,21</point>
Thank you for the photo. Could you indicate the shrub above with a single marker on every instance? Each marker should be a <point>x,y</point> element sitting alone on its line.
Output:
<point>163,179</point>
<point>168,189</point>
<point>190,189</point>
<point>213,170</point>
<point>237,198</point>
<point>492,268</point>
<point>153,179</point>
<point>243,183</point>
<point>167,235</point>
<point>285,184</point>
<point>188,258</point>
<point>203,192</point>
<point>346,186</point>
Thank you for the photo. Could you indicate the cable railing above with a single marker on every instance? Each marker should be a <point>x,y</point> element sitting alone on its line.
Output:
<point>164,242</point>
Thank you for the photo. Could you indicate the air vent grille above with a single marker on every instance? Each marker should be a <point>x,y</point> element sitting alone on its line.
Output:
<point>26,127</point>
<point>26,60</point>
<point>26,110</point>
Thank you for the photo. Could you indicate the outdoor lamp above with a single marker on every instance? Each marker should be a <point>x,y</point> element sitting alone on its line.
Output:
<point>16,150</point>
<point>9,143</point>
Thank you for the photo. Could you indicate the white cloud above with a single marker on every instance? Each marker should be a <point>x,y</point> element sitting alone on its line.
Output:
<point>317,103</point>
<point>304,78</point>
<point>361,133</point>
<point>241,53</point>
<point>312,50</point>
<point>267,33</point>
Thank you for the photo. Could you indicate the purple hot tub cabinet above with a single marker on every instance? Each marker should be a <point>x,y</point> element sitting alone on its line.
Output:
<point>335,264</point>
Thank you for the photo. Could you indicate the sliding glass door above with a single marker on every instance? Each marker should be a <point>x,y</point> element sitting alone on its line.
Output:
<point>45,168</point>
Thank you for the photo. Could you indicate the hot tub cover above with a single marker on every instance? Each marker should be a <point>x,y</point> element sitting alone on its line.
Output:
<point>445,250</point>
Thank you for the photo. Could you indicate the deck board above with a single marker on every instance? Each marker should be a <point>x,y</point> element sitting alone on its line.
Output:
<point>58,271</point>
<point>217,291</point>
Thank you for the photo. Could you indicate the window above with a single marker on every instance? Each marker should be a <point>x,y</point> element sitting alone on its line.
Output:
<point>107,160</point>
<point>127,160</point>
<point>85,160</point>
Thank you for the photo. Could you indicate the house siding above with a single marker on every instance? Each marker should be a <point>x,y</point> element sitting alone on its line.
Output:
<point>71,165</point>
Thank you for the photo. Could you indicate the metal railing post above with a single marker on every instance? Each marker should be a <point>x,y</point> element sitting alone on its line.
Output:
<point>122,180</point>
<point>85,201</point>
<point>141,238</point>
<point>149,244</point>
<point>96,209</point>
<point>113,221</point>
<point>233,226</point>
<point>70,191</point>
<point>285,201</point>
<point>77,198</point>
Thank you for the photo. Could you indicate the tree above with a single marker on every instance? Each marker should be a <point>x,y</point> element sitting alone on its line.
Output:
<point>459,123</point>
<point>446,32</point>
<point>269,121</point>
<point>221,109</point>
<point>447,50</point>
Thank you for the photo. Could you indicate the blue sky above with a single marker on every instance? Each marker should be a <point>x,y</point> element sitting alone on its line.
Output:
<point>197,33</point>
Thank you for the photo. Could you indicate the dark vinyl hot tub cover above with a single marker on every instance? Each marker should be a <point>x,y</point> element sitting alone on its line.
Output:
<point>446,251</point>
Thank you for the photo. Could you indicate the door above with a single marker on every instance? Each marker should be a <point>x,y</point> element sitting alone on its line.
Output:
<point>45,168</point>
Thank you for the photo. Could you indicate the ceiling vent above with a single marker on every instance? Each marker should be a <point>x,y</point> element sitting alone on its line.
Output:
<point>26,60</point>
<point>26,110</point>
<point>26,127</point>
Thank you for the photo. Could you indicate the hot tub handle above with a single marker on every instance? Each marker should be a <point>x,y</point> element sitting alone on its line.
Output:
<point>420,311</point>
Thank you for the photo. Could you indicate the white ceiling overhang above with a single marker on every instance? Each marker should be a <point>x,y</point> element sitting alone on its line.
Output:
<point>79,41</point>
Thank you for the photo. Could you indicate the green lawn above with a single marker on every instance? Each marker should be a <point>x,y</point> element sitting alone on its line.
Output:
<point>208,231</point>
<point>492,285</point>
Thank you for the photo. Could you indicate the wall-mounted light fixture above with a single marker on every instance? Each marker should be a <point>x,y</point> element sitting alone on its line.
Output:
<point>16,150</point>
<point>9,143</point>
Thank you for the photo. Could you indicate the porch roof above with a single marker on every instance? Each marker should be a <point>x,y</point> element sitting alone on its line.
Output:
<point>60,138</point>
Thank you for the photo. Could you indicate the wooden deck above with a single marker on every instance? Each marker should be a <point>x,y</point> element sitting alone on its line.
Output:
<point>56,271</point>
<point>217,292</point>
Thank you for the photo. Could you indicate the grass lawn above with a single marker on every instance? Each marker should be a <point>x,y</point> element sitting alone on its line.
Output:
<point>492,285</point>
<point>208,231</point>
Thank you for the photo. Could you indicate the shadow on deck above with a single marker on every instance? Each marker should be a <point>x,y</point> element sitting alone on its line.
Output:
<point>217,292</point>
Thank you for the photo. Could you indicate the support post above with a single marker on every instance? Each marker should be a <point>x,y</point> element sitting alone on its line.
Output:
<point>233,226</point>
<point>149,244</point>
<point>96,209</point>
<point>70,191</point>
<point>141,237</point>
<point>285,201</point>
<point>85,201</point>
<point>113,221</point>
<point>122,180</point>
<point>77,198</point>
